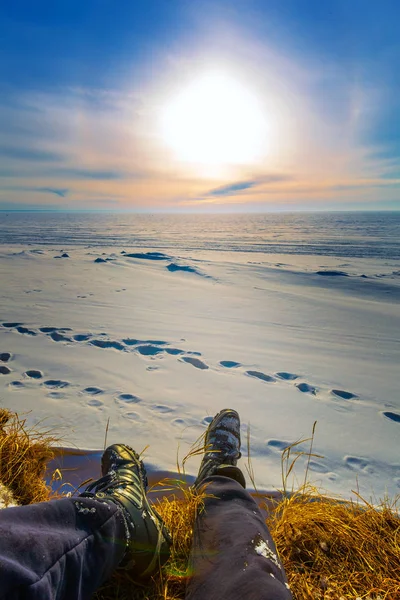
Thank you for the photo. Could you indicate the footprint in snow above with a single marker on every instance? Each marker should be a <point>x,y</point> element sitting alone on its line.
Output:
<point>343,394</point>
<point>262,376</point>
<point>392,416</point>
<point>94,402</point>
<point>128,398</point>
<point>107,344</point>
<point>278,445</point>
<point>287,376</point>
<point>199,364</point>
<point>229,364</point>
<point>33,374</point>
<point>16,385</point>
<point>56,383</point>
<point>306,388</point>
<point>92,391</point>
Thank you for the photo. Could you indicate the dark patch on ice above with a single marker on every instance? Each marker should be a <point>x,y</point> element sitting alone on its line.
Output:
<point>11,325</point>
<point>287,376</point>
<point>59,337</point>
<point>82,337</point>
<point>332,273</point>
<point>306,388</point>
<point>5,356</point>
<point>99,260</point>
<point>56,383</point>
<point>149,350</point>
<point>48,329</point>
<point>174,351</point>
<point>65,255</point>
<point>343,394</point>
<point>25,330</point>
<point>93,391</point>
<point>207,420</point>
<point>392,416</point>
<point>107,344</point>
<point>260,375</point>
<point>4,370</point>
<point>229,364</point>
<point>129,398</point>
<point>34,374</point>
<point>173,267</point>
<point>148,255</point>
<point>195,362</point>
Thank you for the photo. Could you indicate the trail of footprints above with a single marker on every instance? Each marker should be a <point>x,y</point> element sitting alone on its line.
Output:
<point>148,348</point>
<point>56,388</point>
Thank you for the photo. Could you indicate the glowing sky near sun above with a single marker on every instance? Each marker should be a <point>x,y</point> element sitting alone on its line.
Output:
<point>215,122</point>
<point>252,105</point>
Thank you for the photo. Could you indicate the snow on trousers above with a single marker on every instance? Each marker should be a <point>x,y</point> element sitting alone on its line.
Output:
<point>65,549</point>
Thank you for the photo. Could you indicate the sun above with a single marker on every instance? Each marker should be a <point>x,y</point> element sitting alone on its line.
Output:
<point>215,121</point>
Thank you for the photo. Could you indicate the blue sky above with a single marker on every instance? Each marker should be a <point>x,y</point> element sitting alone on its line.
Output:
<point>84,87</point>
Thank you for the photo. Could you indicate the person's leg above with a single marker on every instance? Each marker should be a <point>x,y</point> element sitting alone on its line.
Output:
<point>233,554</point>
<point>60,549</point>
<point>66,548</point>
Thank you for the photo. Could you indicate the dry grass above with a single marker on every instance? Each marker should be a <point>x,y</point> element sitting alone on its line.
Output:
<point>331,550</point>
<point>24,454</point>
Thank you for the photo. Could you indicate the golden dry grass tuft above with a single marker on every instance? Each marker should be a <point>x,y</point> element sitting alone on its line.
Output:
<point>331,550</point>
<point>24,453</point>
<point>336,550</point>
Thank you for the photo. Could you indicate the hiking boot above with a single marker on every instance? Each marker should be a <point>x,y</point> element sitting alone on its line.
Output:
<point>222,448</point>
<point>124,482</point>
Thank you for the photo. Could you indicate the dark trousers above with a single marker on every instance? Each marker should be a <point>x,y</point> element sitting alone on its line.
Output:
<point>64,549</point>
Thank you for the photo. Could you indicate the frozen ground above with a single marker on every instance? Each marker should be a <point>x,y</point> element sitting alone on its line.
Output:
<point>158,342</point>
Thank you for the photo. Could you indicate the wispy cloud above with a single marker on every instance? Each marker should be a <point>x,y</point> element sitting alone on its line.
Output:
<point>230,190</point>
<point>95,174</point>
<point>61,193</point>
<point>30,154</point>
<point>233,189</point>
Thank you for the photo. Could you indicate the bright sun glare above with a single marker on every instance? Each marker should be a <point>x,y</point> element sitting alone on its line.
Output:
<point>215,121</point>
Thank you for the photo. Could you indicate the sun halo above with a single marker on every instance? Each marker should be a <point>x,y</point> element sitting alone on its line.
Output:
<point>215,121</point>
